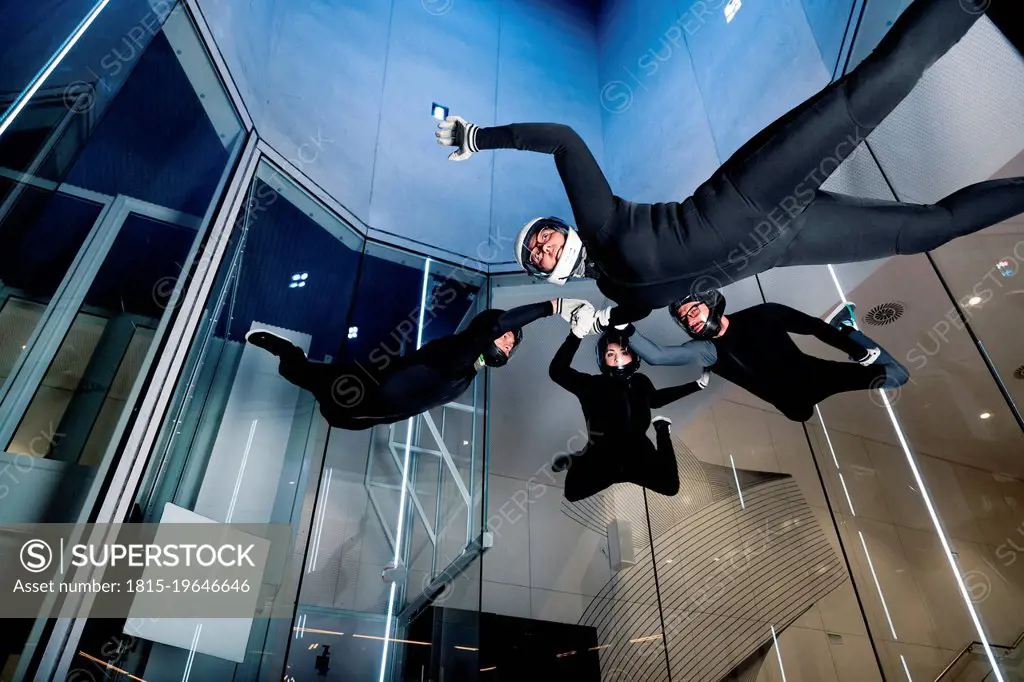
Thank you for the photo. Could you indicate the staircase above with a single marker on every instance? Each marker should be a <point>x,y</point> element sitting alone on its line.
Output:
<point>972,665</point>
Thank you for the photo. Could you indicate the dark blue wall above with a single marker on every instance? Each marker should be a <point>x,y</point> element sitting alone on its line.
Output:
<point>155,142</point>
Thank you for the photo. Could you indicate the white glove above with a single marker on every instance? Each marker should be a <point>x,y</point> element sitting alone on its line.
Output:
<point>567,306</point>
<point>705,379</point>
<point>456,131</point>
<point>601,320</point>
<point>873,354</point>
<point>582,320</point>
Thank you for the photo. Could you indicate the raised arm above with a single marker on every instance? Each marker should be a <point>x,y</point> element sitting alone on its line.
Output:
<point>701,353</point>
<point>801,323</point>
<point>624,314</point>
<point>561,371</point>
<point>585,184</point>
<point>663,396</point>
<point>493,323</point>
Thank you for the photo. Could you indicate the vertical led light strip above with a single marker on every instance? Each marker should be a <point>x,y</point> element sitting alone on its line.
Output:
<point>926,496</point>
<point>778,652</point>
<point>318,530</point>
<point>737,479</point>
<point>192,653</point>
<point>878,585</point>
<point>906,669</point>
<point>50,67</point>
<point>835,460</point>
<point>241,472</point>
<point>405,485</point>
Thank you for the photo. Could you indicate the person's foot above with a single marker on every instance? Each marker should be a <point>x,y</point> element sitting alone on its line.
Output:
<point>561,463</point>
<point>661,422</point>
<point>844,316</point>
<point>270,342</point>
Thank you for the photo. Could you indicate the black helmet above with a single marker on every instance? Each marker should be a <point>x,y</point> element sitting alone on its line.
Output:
<point>620,338</point>
<point>495,357</point>
<point>715,302</point>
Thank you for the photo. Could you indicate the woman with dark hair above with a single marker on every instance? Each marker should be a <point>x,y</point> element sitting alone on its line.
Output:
<point>617,405</point>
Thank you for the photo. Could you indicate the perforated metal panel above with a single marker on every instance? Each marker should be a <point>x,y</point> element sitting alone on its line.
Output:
<point>962,123</point>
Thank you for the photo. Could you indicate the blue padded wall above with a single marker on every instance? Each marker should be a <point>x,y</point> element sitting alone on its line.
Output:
<point>662,91</point>
<point>343,89</point>
<point>754,69</point>
<point>547,71</point>
<point>828,20</point>
<point>658,140</point>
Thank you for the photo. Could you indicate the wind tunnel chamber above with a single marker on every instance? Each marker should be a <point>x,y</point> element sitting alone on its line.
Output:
<point>189,172</point>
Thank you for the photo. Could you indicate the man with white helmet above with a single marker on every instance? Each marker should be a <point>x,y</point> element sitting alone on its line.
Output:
<point>764,207</point>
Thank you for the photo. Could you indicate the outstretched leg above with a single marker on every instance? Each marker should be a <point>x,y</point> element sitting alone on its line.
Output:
<point>843,229</point>
<point>655,468</point>
<point>293,364</point>
<point>590,472</point>
<point>840,377</point>
<point>792,157</point>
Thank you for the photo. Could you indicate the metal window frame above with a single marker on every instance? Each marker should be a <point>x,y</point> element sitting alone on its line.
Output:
<point>48,336</point>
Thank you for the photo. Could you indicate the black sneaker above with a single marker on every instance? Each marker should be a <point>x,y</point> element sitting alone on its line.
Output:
<point>561,463</point>
<point>271,342</point>
<point>661,422</point>
<point>844,316</point>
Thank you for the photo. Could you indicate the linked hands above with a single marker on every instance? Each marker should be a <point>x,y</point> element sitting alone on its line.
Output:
<point>584,318</point>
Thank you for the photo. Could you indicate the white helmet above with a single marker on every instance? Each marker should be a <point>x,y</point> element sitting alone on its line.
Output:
<point>572,253</point>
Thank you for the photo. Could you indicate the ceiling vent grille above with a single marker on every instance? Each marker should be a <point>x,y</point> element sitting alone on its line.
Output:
<point>885,313</point>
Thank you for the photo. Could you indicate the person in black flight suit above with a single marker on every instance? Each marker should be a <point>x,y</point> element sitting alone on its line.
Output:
<point>357,396</point>
<point>752,349</point>
<point>764,207</point>
<point>617,405</point>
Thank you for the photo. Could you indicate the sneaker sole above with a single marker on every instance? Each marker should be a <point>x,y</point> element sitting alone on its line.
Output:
<point>839,309</point>
<point>268,333</point>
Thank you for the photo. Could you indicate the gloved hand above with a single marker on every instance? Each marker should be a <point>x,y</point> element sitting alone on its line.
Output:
<point>566,306</point>
<point>583,319</point>
<point>873,354</point>
<point>456,131</point>
<point>602,319</point>
<point>705,379</point>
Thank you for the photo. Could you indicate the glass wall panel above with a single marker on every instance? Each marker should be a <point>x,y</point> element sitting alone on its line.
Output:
<point>983,273</point>
<point>98,218</point>
<point>78,132</point>
<point>241,444</point>
<point>951,436</point>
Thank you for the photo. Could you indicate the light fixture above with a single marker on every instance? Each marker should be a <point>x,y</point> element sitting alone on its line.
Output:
<point>974,300</point>
<point>400,531</point>
<point>439,111</point>
<point>731,9</point>
<point>985,415</point>
<point>465,442</point>
<point>353,332</point>
<point>22,101</point>
<point>737,478</point>
<point>778,653</point>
